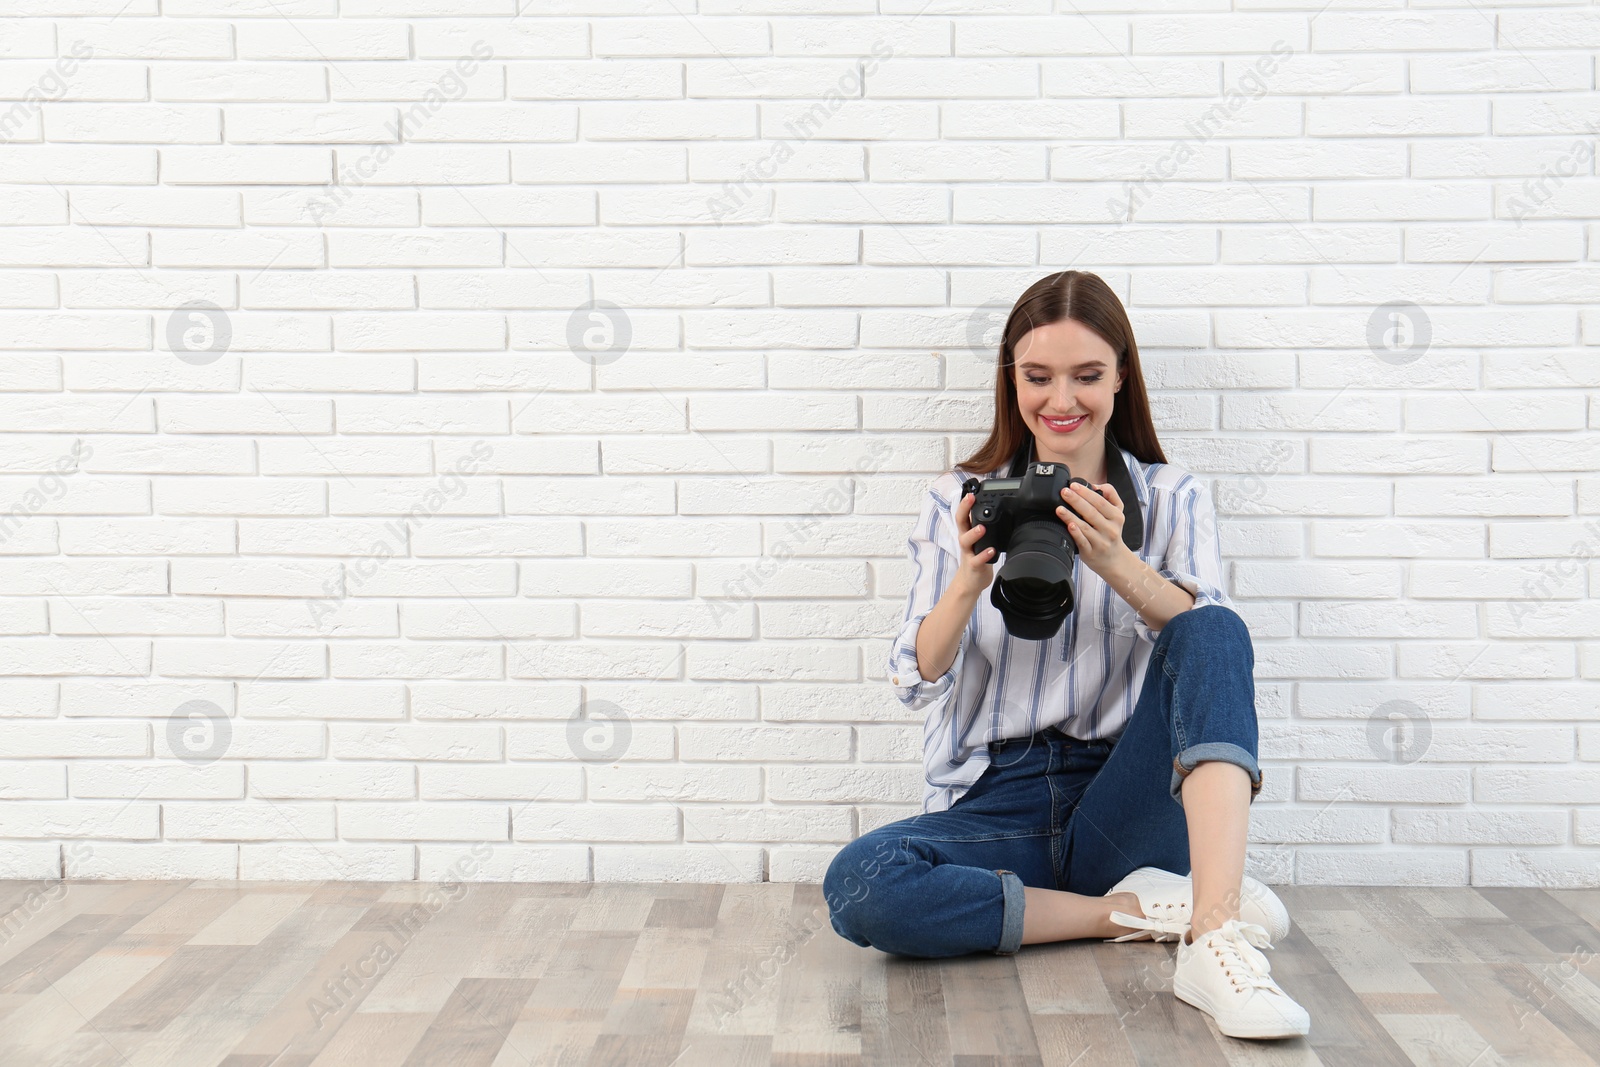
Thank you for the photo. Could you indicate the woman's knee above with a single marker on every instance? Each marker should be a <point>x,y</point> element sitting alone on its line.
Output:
<point>1214,615</point>
<point>854,887</point>
<point>1217,627</point>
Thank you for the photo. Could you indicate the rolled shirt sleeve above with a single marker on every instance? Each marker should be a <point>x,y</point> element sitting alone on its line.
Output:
<point>935,558</point>
<point>1193,557</point>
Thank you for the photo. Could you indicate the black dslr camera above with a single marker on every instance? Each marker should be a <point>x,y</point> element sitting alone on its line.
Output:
<point>1034,587</point>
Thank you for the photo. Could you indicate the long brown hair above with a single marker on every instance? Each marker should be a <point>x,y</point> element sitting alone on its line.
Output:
<point>1085,298</point>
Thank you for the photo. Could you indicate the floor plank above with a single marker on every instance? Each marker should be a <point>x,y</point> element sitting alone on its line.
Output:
<point>185,974</point>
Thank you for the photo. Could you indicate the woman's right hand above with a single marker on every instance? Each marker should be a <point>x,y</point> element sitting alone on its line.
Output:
<point>976,571</point>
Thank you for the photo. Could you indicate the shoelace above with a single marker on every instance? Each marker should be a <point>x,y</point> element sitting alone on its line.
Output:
<point>1165,928</point>
<point>1239,942</point>
<point>1170,924</point>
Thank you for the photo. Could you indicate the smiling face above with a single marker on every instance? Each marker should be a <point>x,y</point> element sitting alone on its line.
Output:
<point>1065,371</point>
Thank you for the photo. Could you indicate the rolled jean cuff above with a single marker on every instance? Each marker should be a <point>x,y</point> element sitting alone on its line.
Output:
<point>1011,914</point>
<point>1224,751</point>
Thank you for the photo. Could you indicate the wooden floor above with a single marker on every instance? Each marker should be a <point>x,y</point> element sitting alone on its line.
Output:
<point>291,974</point>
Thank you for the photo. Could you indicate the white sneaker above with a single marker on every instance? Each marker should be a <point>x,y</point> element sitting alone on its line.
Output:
<point>1223,974</point>
<point>1167,901</point>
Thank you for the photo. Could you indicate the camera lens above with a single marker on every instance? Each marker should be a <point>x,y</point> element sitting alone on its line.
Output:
<point>1037,594</point>
<point>1034,587</point>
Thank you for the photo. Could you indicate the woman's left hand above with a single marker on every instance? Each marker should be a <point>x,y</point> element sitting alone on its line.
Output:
<point>1095,524</point>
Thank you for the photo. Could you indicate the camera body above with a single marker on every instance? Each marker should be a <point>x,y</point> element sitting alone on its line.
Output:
<point>1033,589</point>
<point>1004,504</point>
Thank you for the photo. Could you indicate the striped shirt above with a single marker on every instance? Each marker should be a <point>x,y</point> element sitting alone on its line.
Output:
<point>1084,680</point>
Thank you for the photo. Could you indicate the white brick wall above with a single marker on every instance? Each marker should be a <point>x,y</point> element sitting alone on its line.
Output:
<point>322,531</point>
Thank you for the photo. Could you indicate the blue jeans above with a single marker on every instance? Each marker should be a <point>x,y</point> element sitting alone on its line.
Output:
<point>1055,812</point>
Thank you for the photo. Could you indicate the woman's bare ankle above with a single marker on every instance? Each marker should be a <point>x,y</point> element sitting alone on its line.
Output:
<point>1128,903</point>
<point>1203,920</point>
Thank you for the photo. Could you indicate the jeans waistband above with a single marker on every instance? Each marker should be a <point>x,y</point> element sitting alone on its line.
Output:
<point>1053,734</point>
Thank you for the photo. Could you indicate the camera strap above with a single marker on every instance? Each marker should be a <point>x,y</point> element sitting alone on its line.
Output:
<point>1116,473</point>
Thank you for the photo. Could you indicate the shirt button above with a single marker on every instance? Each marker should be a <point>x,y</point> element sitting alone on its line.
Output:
<point>895,679</point>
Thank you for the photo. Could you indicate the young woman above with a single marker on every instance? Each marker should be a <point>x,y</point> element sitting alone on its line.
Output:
<point>1074,782</point>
